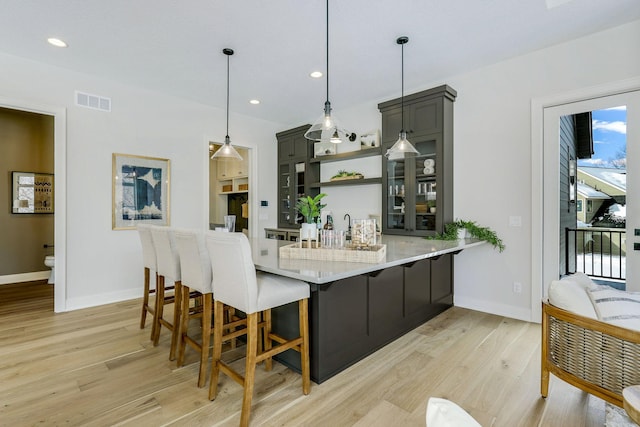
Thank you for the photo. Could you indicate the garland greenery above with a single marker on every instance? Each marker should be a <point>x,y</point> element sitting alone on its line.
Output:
<point>476,231</point>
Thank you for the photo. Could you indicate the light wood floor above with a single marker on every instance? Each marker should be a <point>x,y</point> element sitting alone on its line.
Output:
<point>96,367</point>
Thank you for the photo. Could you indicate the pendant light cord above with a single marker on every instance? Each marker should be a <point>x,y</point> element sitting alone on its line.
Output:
<point>227,97</point>
<point>402,97</point>
<point>327,50</point>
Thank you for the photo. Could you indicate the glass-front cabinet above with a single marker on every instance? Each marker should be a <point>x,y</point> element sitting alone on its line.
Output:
<point>295,174</point>
<point>418,188</point>
<point>412,191</point>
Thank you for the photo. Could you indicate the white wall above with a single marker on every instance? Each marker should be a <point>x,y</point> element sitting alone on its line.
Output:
<point>103,265</point>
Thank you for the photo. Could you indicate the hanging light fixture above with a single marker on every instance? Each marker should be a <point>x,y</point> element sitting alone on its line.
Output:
<point>227,151</point>
<point>327,128</point>
<point>402,145</point>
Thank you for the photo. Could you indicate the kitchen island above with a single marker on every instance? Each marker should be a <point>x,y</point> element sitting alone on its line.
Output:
<point>357,308</point>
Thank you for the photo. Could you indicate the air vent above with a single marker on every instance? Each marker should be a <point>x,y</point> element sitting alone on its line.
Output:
<point>94,102</point>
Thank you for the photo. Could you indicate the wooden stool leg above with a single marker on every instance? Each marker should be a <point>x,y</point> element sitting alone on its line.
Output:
<point>184,323</point>
<point>218,312</point>
<point>206,337</point>
<point>266,331</point>
<point>145,298</point>
<point>303,315</point>
<point>175,334</point>
<point>158,311</point>
<point>250,370</point>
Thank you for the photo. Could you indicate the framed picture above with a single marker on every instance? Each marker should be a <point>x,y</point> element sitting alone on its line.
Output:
<point>32,193</point>
<point>140,191</point>
<point>370,139</point>
<point>324,149</point>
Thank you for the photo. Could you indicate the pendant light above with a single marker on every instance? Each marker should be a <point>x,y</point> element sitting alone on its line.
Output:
<point>327,128</point>
<point>402,145</point>
<point>227,151</point>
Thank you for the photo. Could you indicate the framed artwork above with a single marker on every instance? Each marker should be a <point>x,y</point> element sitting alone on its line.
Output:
<point>140,191</point>
<point>32,193</point>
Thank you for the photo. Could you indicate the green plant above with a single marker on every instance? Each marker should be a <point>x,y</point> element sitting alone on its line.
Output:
<point>309,207</point>
<point>476,231</point>
<point>344,173</point>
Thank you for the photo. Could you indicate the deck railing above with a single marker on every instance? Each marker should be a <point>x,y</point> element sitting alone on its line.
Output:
<point>597,252</point>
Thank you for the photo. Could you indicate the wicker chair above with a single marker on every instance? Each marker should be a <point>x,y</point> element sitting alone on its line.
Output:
<point>594,356</point>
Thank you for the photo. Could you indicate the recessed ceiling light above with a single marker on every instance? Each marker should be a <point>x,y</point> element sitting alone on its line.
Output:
<point>254,101</point>
<point>56,42</point>
<point>316,74</point>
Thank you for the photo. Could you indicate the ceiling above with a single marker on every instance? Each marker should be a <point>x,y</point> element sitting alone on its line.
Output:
<point>175,46</point>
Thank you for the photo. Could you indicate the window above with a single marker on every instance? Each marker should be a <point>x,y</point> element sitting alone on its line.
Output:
<point>589,206</point>
<point>578,205</point>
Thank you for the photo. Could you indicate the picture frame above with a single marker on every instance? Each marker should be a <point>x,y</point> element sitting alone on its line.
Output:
<point>32,193</point>
<point>140,191</point>
<point>370,139</point>
<point>324,149</point>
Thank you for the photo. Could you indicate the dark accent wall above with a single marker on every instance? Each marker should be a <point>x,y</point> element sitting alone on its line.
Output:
<point>26,145</point>
<point>567,210</point>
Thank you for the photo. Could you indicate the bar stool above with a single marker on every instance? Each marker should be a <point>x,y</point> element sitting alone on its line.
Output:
<point>168,263</point>
<point>195,267</point>
<point>149,264</point>
<point>236,283</point>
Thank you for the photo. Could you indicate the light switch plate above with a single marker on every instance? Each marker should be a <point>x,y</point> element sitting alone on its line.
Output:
<point>515,221</point>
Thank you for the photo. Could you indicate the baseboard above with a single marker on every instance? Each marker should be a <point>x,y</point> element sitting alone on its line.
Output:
<point>497,309</point>
<point>24,277</point>
<point>102,299</point>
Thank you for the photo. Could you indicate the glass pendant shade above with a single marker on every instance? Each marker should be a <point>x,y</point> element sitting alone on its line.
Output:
<point>226,151</point>
<point>402,146</point>
<point>327,128</point>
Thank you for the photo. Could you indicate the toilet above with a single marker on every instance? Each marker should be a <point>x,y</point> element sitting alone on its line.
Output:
<point>50,261</point>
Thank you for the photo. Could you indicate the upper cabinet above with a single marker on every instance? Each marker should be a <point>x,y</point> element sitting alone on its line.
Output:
<point>417,191</point>
<point>232,168</point>
<point>295,174</point>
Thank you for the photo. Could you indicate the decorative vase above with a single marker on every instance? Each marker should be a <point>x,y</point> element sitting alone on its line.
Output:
<point>462,233</point>
<point>308,231</point>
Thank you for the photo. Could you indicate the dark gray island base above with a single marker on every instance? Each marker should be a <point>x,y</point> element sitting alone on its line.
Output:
<point>367,305</point>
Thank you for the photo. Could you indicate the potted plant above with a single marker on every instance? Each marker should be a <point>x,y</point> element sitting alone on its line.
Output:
<point>309,207</point>
<point>451,232</point>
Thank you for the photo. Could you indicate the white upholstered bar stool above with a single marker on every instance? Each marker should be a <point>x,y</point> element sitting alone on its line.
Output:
<point>168,271</point>
<point>149,264</point>
<point>195,268</point>
<point>236,284</point>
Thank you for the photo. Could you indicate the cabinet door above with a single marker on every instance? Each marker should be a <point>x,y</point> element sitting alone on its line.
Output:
<point>391,124</point>
<point>301,147</point>
<point>221,169</point>
<point>425,186</point>
<point>285,200</point>
<point>423,118</point>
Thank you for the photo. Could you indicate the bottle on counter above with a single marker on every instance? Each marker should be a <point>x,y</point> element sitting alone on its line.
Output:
<point>329,224</point>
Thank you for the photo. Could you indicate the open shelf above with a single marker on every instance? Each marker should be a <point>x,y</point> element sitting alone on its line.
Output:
<point>364,181</point>
<point>365,152</point>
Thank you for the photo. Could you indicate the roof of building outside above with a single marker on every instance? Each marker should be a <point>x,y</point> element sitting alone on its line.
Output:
<point>612,176</point>
<point>589,192</point>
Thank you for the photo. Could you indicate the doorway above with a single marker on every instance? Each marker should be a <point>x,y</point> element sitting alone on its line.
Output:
<point>59,141</point>
<point>230,189</point>
<point>546,115</point>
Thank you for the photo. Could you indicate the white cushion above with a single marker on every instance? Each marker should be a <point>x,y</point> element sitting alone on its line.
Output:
<point>274,291</point>
<point>617,307</point>
<point>444,413</point>
<point>571,296</point>
<point>581,279</point>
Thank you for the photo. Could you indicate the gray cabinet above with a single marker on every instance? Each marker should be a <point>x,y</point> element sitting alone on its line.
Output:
<point>295,174</point>
<point>353,317</point>
<point>417,191</point>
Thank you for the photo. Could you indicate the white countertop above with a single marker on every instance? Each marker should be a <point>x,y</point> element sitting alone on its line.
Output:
<point>400,250</point>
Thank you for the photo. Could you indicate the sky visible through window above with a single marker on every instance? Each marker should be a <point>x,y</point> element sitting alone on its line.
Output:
<point>609,139</point>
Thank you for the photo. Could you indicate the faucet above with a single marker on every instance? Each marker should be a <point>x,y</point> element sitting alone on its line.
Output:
<point>348,234</point>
